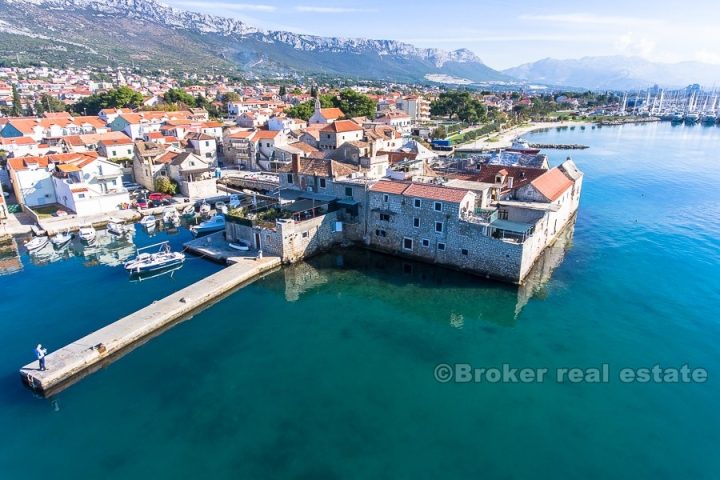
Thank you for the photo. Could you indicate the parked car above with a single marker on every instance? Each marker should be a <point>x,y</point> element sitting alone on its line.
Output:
<point>61,213</point>
<point>141,202</point>
<point>131,186</point>
<point>159,196</point>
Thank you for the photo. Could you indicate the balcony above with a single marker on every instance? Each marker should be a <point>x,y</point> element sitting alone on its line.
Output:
<point>480,216</point>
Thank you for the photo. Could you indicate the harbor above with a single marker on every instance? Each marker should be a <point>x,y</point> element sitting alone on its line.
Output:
<point>86,355</point>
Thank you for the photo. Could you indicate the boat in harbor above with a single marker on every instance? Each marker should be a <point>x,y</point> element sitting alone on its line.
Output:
<point>171,217</point>
<point>215,224</point>
<point>117,229</point>
<point>87,233</point>
<point>678,117</point>
<point>148,221</point>
<point>709,119</point>
<point>189,212</point>
<point>240,245</point>
<point>205,210</point>
<point>61,239</point>
<point>521,146</point>
<point>692,118</point>
<point>36,244</point>
<point>163,259</point>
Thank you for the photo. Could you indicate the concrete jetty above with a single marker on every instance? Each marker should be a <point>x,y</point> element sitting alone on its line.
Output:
<point>92,352</point>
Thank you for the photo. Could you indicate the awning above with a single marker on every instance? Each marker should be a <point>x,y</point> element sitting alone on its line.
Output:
<point>509,226</point>
<point>349,202</point>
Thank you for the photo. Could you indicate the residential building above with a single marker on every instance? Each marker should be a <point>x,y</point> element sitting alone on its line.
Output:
<point>193,174</point>
<point>335,134</point>
<point>323,116</point>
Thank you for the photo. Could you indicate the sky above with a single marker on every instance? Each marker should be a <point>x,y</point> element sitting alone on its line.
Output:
<point>502,33</point>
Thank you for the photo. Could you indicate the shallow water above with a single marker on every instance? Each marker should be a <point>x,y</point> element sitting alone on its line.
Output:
<point>325,369</point>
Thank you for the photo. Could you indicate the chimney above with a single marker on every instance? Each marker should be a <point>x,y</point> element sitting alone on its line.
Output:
<point>295,162</point>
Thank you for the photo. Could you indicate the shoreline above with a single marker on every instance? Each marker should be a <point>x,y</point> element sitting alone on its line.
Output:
<point>504,139</point>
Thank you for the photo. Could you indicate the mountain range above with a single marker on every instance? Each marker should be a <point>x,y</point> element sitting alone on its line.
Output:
<point>148,34</point>
<point>615,72</point>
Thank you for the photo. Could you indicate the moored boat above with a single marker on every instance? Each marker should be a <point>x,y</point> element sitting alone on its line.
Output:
<point>189,212</point>
<point>521,146</point>
<point>691,118</point>
<point>205,210</point>
<point>148,221</point>
<point>61,239</point>
<point>215,224</point>
<point>117,229</point>
<point>171,216</point>
<point>240,245</point>
<point>36,244</point>
<point>164,258</point>
<point>87,233</point>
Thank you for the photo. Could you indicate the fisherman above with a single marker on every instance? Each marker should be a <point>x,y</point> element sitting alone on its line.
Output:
<point>40,352</point>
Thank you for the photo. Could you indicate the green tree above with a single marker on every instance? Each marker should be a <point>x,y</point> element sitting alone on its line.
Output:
<point>16,110</point>
<point>122,97</point>
<point>439,132</point>
<point>313,91</point>
<point>460,104</point>
<point>231,97</point>
<point>305,110</point>
<point>355,104</point>
<point>38,108</point>
<point>283,91</point>
<point>164,185</point>
<point>177,95</point>
<point>51,104</point>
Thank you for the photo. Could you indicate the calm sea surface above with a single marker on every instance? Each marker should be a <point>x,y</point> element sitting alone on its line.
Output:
<point>325,370</point>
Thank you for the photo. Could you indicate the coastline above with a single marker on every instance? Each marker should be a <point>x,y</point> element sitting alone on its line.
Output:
<point>504,139</point>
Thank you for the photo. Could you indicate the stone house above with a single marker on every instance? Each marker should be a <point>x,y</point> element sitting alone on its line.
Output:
<point>339,132</point>
<point>193,175</point>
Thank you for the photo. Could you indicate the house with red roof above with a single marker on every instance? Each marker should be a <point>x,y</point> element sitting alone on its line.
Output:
<point>323,116</point>
<point>335,134</point>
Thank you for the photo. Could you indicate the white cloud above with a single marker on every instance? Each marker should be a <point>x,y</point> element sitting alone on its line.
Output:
<point>219,6</point>
<point>706,56</point>
<point>511,38</point>
<point>631,44</point>
<point>591,19</point>
<point>313,9</point>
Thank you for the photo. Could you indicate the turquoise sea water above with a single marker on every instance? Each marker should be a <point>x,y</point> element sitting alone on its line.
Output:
<point>325,370</point>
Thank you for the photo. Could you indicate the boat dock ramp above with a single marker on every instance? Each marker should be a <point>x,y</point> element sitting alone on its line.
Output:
<point>92,352</point>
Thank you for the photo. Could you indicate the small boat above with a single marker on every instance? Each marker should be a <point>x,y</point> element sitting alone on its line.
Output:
<point>36,244</point>
<point>521,146</point>
<point>171,216</point>
<point>221,207</point>
<point>87,233</point>
<point>205,210</point>
<point>692,118</point>
<point>149,221</point>
<point>234,201</point>
<point>61,239</point>
<point>189,212</point>
<point>241,245</point>
<point>215,224</point>
<point>153,262</point>
<point>117,229</point>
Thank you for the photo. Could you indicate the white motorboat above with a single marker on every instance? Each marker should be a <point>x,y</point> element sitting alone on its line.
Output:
<point>36,244</point>
<point>240,245</point>
<point>117,229</point>
<point>215,224</point>
<point>221,207</point>
<point>61,239</point>
<point>205,210</point>
<point>171,216</point>
<point>152,262</point>
<point>87,233</point>
<point>189,212</point>
<point>149,221</point>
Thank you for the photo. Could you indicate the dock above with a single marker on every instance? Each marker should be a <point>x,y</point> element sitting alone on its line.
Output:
<point>83,357</point>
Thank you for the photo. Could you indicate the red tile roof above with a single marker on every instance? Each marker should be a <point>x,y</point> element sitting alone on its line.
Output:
<point>342,126</point>
<point>385,186</point>
<point>552,184</point>
<point>331,113</point>
<point>435,192</point>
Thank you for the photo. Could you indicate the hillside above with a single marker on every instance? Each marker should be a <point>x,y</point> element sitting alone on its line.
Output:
<point>151,35</point>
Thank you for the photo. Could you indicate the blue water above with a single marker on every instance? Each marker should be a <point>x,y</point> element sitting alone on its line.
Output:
<point>325,370</point>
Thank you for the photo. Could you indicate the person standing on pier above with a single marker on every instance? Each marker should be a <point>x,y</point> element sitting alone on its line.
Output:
<point>40,352</point>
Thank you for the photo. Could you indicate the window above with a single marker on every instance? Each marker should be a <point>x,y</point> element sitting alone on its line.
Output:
<point>348,191</point>
<point>407,243</point>
<point>304,234</point>
<point>439,227</point>
<point>322,183</point>
<point>207,144</point>
<point>425,242</point>
<point>438,206</point>
<point>386,198</point>
<point>417,203</point>
<point>441,246</point>
<point>384,217</point>
<point>416,222</point>
<point>464,251</point>
<point>503,214</point>
<point>381,233</point>
<point>289,178</point>
<point>114,153</point>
